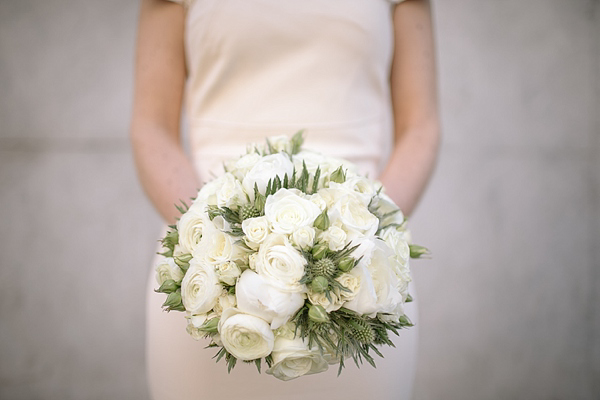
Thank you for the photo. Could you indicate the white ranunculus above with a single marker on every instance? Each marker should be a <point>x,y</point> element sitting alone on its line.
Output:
<point>354,215</point>
<point>266,169</point>
<point>200,287</point>
<point>245,336</point>
<point>287,211</point>
<point>167,269</point>
<point>231,192</point>
<point>303,237</point>
<point>322,300</point>
<point>292,358</point>
<point>280,264</point>
<point>228,272</point>
<point>350,282</point>
<point>256,230</point>
<point>190,227</point>
<point>335,237</point>
<point>255,296</point>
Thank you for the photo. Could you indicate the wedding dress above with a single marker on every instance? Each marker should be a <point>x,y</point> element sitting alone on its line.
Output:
<point>269,67</point>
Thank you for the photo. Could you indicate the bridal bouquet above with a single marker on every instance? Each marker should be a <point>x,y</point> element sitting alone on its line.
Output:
<point>290,257</point>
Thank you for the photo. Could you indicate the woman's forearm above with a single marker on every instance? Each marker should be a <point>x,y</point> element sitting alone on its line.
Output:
<point>166,173</point>
<point>410,166</point>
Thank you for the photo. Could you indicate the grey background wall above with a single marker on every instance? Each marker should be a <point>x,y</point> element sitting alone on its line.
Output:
<point>509,303</point>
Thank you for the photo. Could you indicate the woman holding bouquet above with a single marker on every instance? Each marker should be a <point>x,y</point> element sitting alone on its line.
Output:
<point>357,75</point>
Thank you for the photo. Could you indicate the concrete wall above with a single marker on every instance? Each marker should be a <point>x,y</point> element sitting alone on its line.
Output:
<point>509,301</point>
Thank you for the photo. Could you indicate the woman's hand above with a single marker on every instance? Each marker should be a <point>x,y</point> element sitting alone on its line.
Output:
<point>165,172</point>
<point>414,100</point>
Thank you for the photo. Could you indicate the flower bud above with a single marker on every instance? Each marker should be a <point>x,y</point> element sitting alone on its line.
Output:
<point>210,326</point>
<point>417,251</point>
<point>167,286</point>
<point>318,314</point>
<point>320,251</point>
<point>338,176</point>
<point>319,284</point>
<point>404,321</point>
<point>171,239</point>
<point>322,221</point>
<point>183,261</point>
<point>173,301</point>
<point>346,264</point>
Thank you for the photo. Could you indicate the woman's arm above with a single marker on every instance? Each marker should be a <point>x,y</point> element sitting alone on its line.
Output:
<point>414,100</point>
<point>165,172</point>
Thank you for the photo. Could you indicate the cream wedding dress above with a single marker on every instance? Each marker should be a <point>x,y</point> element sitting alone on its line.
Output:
<point>271,67</point>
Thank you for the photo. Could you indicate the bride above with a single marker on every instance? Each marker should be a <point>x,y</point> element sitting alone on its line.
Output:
<point>357,75</point>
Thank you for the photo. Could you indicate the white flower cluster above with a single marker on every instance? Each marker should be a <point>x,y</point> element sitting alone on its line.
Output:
<point>265,242</point>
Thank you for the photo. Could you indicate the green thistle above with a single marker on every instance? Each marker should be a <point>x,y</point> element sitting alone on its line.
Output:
<point>248,211</point>
<point>324,267</point>
<point>362,331</point>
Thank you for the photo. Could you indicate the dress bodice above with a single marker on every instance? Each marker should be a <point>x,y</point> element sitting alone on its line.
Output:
<point>268,67</point>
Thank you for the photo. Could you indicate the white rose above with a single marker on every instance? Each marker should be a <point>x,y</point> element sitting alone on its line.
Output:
<point>365,299</point>
<point>194,322</point>
<point>292,358</point>
<point>335,237</point>
<point>208,193</point>
<point>240,167</point>
<point>287,331</point>
<point>322,300</point>
<point>304,237</point>
<point>190,228</point>
<point>280,264</point>
<point>327,165</point>
<point>319,201</point>
<point>167,269</point>
<point>396,241</point>
<point>245,336</point>
<point>379,285</point>
<point>266,169</point>
<point>231,192</point>
<point>252,261</point>
<point>200,287</point>
<point>354,215</point>
<point>228,272</point>
<point>280,143</point>
<point>350,282</point>
<point>360,186</point>
<point>256,230</point>
<point>255,296</point>
<point>287,211</point>
<point>224,302</point>
<point>217,247</point>
<point>385,205</point>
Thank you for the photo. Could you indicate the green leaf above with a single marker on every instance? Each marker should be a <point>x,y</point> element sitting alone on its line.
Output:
<point>297,141</point>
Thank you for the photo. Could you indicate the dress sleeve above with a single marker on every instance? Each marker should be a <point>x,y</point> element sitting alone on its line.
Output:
<point>396,1</point>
